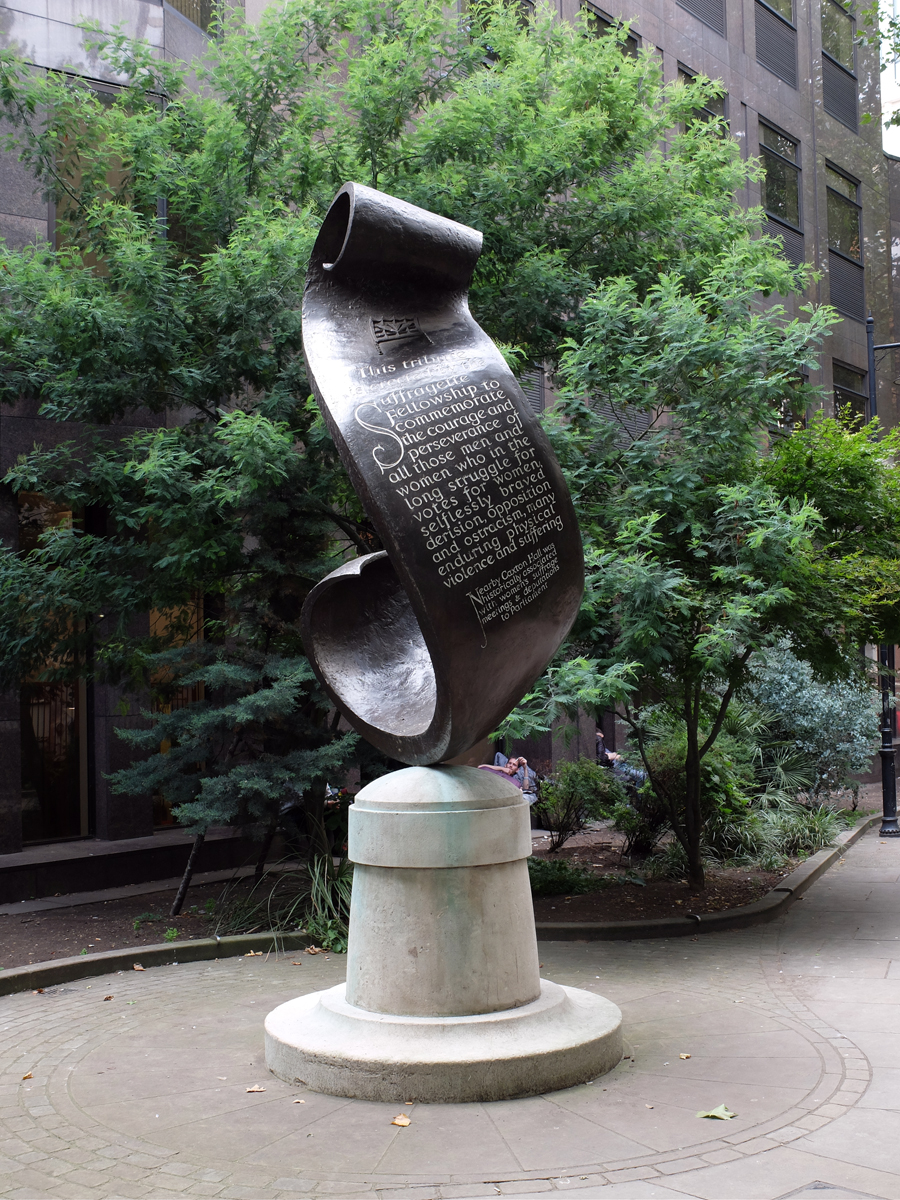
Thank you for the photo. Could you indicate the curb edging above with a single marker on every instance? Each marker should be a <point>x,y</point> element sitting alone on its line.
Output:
<point>767,908</point>
<point>109,962</point>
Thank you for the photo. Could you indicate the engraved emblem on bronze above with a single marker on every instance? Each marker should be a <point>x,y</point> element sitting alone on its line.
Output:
<point>426,646</point>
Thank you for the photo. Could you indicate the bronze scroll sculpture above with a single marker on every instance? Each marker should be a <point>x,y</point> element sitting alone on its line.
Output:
<point>426,647</point>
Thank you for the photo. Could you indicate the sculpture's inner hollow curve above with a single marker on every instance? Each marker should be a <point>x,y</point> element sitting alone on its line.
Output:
<point>370,649</point>
<point>335,231</point>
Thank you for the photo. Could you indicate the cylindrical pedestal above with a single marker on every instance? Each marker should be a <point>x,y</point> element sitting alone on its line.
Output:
<point>443,999</point>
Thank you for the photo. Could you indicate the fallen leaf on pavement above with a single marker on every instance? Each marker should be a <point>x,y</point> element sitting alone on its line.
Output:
<point>400,1119</point>
<point>313,950</point>
<point>684,1056</point>
<point>648,1106</point>
<point>138,967</point>
<point>296,964</point>
<point>222,1077</point>
<point>298,1102</point>
<point>28,1076</point>
<point>256,1088</point>
<point>719,1114</point>
<point>38,992</point>
<point>253,954</point>
<point>109,997</point>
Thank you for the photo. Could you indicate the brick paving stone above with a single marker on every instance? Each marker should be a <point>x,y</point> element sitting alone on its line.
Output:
<point>680,1164</point>
<point>294,1185</point>
<point>831,1110</point>
<point>124,1170</point>
<point>585,1182</point>
<point>203,1188</point>
<point>331,1188</point>
<point>630,1173</point>
<point>525,1185</point>
<point>812,1122</point>
<point>721,1156</point>
<point>139,1159</point>
<point>33,1156</point>
<point>450,1191</point>
<point>92,1179</point>
<point>410,1193</point>
<point>171,1184</point>
<point>248,1193</point>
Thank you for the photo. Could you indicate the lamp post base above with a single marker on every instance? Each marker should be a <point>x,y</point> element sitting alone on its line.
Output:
<point>564,1037</point>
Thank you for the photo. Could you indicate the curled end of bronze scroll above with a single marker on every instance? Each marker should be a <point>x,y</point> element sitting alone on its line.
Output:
<point>369,654</point>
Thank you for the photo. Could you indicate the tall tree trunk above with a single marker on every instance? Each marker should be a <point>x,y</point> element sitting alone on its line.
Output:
<point>693,820</point>
<point>264,851</point>
<point>314,811</point>
<point>187,876</point>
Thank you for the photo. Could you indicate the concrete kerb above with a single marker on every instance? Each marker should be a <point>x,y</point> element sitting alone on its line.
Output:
<point>65,970</point>
<point>766,909</point>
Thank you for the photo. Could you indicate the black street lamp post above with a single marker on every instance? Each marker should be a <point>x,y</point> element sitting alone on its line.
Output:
<point>889,826</point>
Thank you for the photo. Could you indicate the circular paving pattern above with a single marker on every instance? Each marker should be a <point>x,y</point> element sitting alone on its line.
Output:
<point>146,1093</point>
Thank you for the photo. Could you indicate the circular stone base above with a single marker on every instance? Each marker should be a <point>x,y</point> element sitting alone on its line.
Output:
<point>566,1036</point>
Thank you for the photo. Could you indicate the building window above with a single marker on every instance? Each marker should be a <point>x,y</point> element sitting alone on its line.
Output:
<point>844,225</point>
<point>781,175</point>
<point>780,190</point>
<point>839,85</point>
<point>532,384</point>
<point>776,39</point>
<point>851,393</point>
<point>715,108</point>
<point>710,12</point>
<point>600,23</point>
<point>845,244</point>
<point>201,12</point>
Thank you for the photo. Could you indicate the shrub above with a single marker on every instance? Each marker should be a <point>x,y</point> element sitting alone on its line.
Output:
<point>836,723</point>
<point>726,778</point>
<point>577,793</point>
<point>556,876</point>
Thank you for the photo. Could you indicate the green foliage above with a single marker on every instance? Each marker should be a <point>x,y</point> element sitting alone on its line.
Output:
<point>832,727</point>
<point>577,793</point>
<point>173,300</point>
<point>701,550</point>
<point>607,237</point>
<point>852,478</point>
<point>555,877</point>
<point>146,918</point>
<point>286,899</point>
<point>170,935</point>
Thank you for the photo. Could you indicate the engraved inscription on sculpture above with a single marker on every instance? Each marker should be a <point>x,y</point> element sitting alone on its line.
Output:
<point>457,457</point>
<point>510,591</point>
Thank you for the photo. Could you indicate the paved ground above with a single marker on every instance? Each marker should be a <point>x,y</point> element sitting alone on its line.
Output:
<point>793,1025</point>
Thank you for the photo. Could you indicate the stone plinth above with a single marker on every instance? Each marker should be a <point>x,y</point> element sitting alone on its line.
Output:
<point>443,1000</point>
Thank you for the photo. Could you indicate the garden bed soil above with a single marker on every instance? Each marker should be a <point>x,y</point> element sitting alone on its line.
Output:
<point>54,933</point>
<point>600,851</point>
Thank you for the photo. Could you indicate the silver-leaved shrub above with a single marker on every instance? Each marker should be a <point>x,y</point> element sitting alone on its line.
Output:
<point>835,721</point>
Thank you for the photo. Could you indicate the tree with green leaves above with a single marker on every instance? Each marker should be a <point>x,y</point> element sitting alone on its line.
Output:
<point>172,301</point>
<point>711,535</point>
